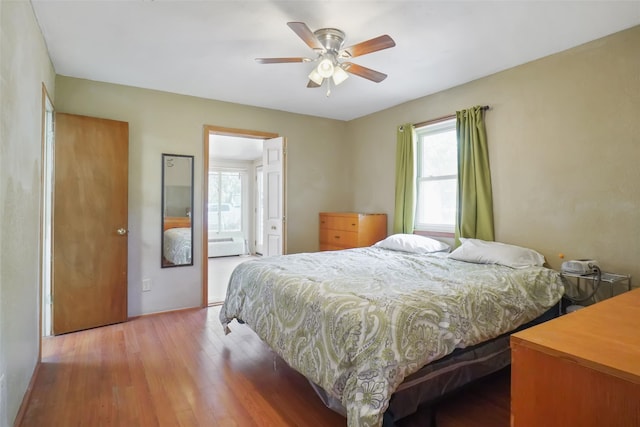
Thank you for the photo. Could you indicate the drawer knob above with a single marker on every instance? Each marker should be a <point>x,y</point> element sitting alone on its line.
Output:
<point>337,237</point>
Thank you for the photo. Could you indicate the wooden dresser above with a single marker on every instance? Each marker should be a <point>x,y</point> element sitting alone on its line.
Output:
<point>581,369</point>
<point>344,230</point>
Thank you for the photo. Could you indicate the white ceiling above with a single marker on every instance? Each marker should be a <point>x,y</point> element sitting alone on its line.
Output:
<point>207,48</point>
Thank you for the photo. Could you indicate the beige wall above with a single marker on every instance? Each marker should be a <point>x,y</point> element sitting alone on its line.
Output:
<point>168,123</point>
<point>24,67</point>
<point>564,142</point>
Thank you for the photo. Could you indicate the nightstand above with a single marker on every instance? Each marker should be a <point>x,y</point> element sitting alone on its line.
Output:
<point>585,283</point>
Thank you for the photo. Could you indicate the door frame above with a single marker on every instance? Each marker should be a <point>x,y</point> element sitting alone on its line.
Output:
<point>46,216</point>
<point>225,131</point>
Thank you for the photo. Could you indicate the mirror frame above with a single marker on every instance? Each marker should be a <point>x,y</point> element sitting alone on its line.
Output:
<point>189,213</point>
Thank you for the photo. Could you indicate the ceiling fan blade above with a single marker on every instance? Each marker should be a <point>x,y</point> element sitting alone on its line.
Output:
<point>367,73</point>
<point>373,45</point>
<point>280,60</point>
<point>301,29</point>
<point>312,84</point>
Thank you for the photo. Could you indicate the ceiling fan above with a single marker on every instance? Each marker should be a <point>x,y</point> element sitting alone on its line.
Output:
<point>327,45</point>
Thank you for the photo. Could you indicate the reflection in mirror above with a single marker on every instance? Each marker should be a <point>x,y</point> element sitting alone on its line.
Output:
<point>177,206</point>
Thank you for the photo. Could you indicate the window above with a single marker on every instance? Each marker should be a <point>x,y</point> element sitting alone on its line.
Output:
<point>225,201</point>
<point>437,177</point>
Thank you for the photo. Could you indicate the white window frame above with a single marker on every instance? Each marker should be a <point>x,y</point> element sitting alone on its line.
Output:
<point>420,133</point>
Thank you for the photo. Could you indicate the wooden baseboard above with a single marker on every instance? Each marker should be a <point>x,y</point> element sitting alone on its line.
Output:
<point>27,396</point>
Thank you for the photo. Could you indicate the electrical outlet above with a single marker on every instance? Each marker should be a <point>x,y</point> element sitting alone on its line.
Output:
<point>146,285</point>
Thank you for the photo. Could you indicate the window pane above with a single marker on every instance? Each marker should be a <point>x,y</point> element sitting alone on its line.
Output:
<point>214,201</point>
<point>437,180</point>
<point>231,198</point>
<point>439,154</point>
<point>436,202</point>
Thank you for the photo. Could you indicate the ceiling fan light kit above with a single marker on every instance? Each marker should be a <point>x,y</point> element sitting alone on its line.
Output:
<point>339,75</point>
<point>325,67</point>
<point>327,44</point>
<point>315,77</point>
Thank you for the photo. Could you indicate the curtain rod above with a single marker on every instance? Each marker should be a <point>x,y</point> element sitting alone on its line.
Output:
<point>442,119</point>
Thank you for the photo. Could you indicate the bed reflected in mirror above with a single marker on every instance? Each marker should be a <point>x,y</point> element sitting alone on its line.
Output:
<point>177,206</point>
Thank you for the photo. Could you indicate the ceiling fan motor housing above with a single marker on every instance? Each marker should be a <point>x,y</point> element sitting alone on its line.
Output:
<point>331,38</point>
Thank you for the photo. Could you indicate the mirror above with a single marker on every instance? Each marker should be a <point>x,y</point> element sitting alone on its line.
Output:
<point>177,207</point>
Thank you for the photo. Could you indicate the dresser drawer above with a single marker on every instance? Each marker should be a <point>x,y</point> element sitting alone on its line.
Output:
<point>328,247</point>
<point>340,238</point>
<point>339,222</point>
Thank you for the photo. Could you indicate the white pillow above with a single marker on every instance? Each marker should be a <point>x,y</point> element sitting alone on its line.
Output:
<point>413,243</point>
<point>483,252</point>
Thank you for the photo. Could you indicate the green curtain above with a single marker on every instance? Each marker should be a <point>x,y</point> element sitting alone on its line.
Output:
<point>475,201</point>
<point>405,180</point>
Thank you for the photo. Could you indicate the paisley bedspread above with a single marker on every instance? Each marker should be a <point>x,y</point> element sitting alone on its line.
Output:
<point>358,321</point>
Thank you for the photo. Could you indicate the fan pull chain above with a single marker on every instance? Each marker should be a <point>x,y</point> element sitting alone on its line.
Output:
<point>328,87</point>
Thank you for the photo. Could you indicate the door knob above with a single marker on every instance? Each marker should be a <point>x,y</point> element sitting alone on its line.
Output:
<point>121,231</point>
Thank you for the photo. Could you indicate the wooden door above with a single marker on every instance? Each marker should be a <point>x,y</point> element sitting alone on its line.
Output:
<point>273,163</point>
<point>89,222</point>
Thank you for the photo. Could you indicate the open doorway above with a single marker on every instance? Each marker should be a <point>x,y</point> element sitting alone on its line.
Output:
<point>46,214</point>
<point>231,208</point>
<point>234,200</point>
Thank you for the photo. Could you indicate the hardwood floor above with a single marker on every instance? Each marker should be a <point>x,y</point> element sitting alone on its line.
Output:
<point>179,369</point>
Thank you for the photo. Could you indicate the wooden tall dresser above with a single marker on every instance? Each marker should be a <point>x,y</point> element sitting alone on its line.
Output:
<point>581,369</point>
<point>345,230</point>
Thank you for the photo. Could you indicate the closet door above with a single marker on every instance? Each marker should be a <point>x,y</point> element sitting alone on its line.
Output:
<point>89,222</point>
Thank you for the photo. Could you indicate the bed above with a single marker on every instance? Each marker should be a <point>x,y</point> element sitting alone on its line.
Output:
<point>177,245</point>
<point>358,323</point>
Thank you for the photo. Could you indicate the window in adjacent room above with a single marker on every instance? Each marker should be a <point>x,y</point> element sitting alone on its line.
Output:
<point>437,177</point>
<point>225,200</point>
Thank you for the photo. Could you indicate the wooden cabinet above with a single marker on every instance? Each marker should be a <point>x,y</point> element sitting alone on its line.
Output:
<point>581,369</point>
<point>344,230</point>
